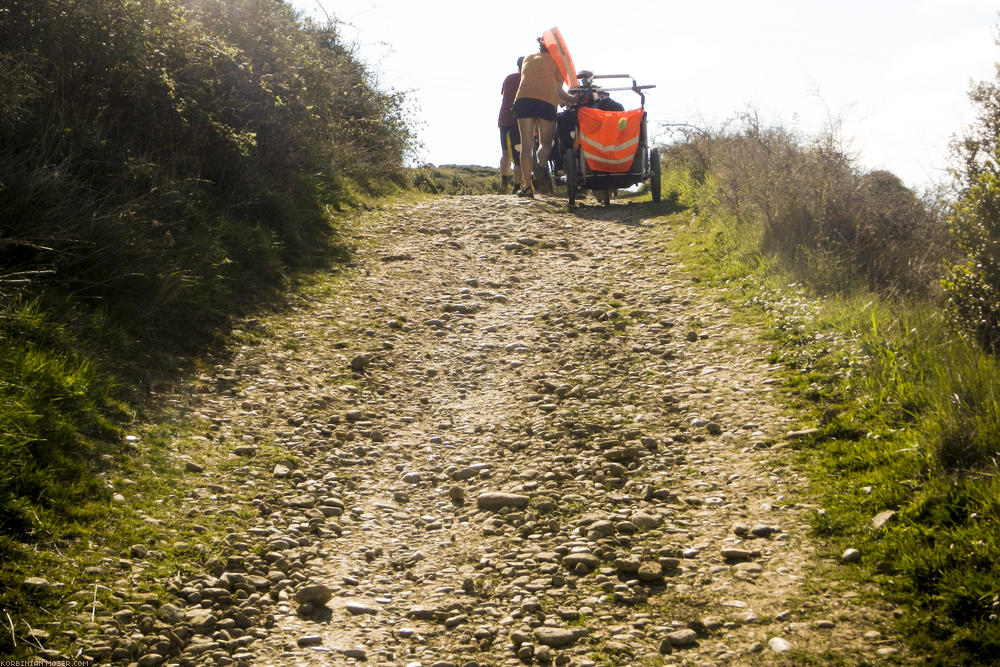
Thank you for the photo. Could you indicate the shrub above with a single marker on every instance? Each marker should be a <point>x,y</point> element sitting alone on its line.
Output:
<point>812,205</point>
<point>164,166</point>
<point>973,286</point>
<point>137,137</point>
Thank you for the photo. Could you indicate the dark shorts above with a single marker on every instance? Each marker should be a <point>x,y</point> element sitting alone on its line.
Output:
<point>510,137</point>
<point>528,107</point>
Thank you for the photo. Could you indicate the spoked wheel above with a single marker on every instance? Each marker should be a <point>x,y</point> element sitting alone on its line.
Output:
<point>654,169</point>
<point>569,165</point>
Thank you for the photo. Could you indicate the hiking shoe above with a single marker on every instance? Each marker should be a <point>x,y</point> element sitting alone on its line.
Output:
<point>526,192</point>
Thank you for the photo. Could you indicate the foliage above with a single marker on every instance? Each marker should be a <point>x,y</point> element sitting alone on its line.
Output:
<point>806,200</point>
<point>163,165</point>
<point>153,150</point>
<point>973,287</point>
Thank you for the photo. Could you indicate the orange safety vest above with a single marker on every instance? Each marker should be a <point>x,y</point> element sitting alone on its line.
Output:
<point>553,41</point>
<point>608,143</point>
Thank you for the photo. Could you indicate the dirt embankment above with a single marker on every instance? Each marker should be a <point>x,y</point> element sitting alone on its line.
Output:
<point>516,435</point>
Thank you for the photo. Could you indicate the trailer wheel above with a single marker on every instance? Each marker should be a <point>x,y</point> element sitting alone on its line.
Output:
<point>654,168</point>
<point>569,166</point>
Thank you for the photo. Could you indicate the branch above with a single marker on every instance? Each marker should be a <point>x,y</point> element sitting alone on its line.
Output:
<point>13,637</point>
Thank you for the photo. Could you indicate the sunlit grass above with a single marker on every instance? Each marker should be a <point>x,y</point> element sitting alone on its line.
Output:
<point>907,420</point>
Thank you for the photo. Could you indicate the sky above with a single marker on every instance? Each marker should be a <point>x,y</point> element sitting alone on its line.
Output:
<point>892,76</point>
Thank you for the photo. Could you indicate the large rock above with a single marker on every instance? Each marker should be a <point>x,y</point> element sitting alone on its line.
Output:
<point>495,500</point>
<point>203,623</point>
<point>555,637</point>
<point>883,518</point>
<point>779,645</point>
<point>650,571</point>
<point>315,594</point>
<point>583,559</point>
<point>683,638</point>
<point>358,608</point>
<point>644,521</point>
<point>36,584</point>
<point>172,614</point>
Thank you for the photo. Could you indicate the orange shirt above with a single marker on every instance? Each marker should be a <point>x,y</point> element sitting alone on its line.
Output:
<point>540,79</point>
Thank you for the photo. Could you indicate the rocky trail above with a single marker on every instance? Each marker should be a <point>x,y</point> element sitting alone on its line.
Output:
<point>512,435</point>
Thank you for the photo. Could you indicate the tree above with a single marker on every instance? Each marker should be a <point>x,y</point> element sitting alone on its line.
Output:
<point>973,286</point>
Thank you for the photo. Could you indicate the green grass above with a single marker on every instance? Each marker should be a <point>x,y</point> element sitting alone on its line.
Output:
<point>58,414</point>
<point>907,420</point>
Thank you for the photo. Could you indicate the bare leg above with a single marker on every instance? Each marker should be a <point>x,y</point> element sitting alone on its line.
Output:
<point>527,128</point>
<point>546,131</point>
<point>507,156</point>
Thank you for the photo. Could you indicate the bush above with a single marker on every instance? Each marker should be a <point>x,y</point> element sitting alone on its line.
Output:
<point>973,286</point>
<point>147,144</point>
<point>810,204</point>
<point>164,166</point>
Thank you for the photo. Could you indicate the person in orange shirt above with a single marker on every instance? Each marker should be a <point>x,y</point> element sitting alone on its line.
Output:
<point>538,95</point>
<point>509,137</point>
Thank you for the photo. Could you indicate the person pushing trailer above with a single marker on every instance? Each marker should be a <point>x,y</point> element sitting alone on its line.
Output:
<point>599,145</point>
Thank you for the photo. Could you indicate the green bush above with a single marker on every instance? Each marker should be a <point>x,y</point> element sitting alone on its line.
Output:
<point>973,286</point>
<point>164,166</point>
<point>139,137</point>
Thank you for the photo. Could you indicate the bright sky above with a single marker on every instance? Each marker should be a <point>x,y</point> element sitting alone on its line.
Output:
<point>894,74</point>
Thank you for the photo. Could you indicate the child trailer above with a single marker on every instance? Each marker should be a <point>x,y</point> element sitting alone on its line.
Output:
<point>600,146</point>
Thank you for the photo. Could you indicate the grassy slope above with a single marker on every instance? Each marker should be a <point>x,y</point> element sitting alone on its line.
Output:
<point>893,397</point>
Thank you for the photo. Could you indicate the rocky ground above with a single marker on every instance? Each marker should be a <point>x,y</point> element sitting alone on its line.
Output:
<point>512,435</point>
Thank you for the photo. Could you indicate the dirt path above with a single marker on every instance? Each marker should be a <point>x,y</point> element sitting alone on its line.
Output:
<point>518,436</point>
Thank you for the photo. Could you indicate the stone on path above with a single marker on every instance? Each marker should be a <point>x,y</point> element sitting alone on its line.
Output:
<point>495,500</point>
<point>581,559</point>
<point>779,645</point>
<point>358,608</point>
<point>555,637</point>
<point>310,640</point>
<point>314,594</point>
<point>650,571</point>
<point>683,638</point>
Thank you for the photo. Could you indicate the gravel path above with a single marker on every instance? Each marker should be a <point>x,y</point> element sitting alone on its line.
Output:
<point>514,435</point>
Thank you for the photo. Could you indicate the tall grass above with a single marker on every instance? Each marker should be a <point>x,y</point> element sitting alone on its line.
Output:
<point>57,415</point>
<point>455,179</point>
<point>906,408</point>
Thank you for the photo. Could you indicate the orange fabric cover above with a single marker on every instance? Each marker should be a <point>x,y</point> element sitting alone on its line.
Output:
<point>607,145</point>
<point>553,41</point>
